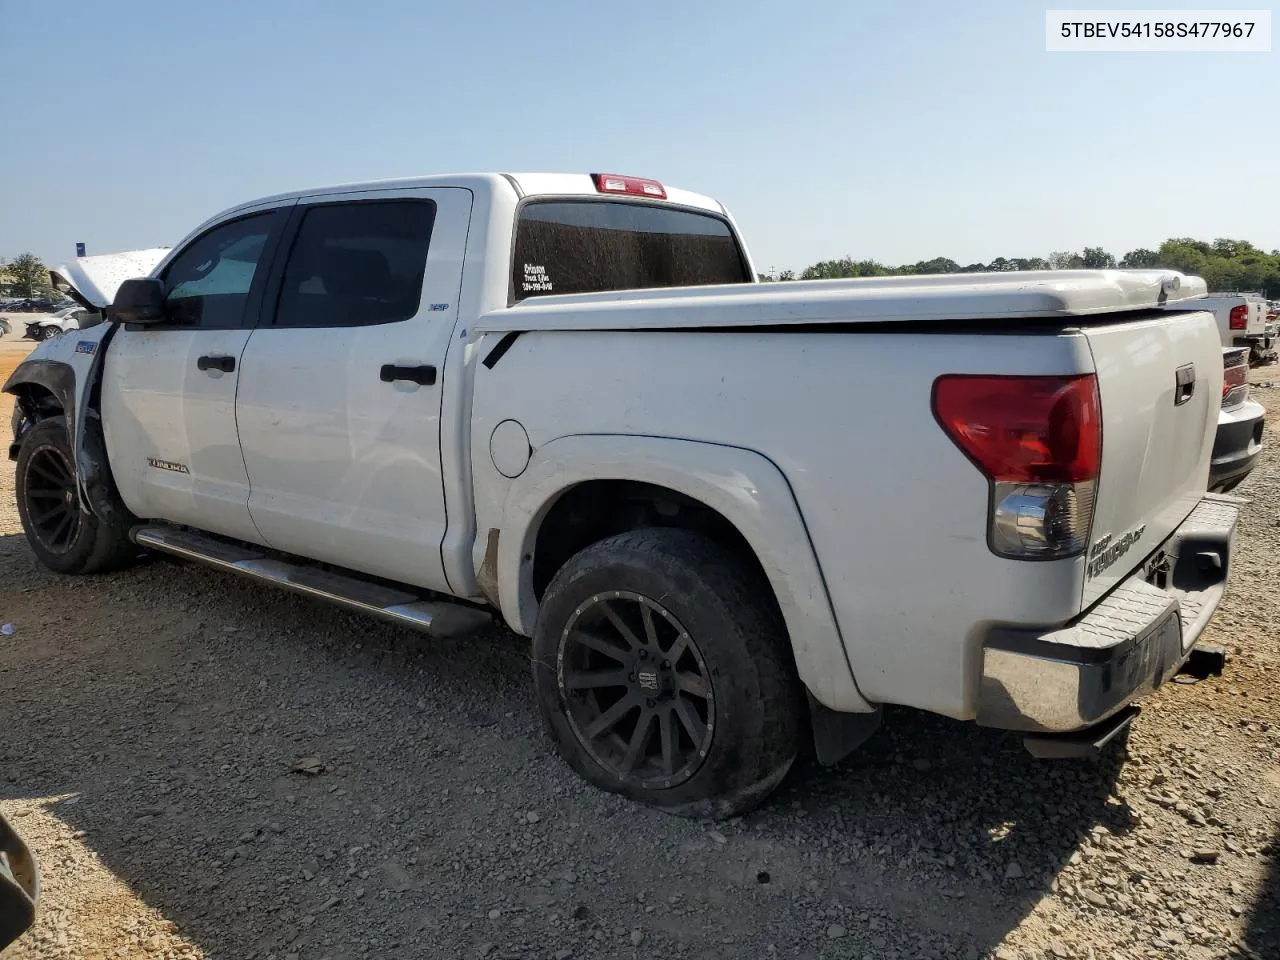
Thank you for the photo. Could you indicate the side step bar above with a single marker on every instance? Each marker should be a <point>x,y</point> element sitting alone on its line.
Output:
<point>436,617</point>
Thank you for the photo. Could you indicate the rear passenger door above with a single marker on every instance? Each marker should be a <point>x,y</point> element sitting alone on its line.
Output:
<point>339,398</point>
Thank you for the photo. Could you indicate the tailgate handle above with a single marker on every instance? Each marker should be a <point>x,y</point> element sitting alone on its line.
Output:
<point>1184,384</point>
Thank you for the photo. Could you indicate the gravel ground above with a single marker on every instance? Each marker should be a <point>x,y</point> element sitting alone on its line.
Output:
<point>208,768</point>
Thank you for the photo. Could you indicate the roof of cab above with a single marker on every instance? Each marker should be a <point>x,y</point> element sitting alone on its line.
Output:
<point>524,184</point>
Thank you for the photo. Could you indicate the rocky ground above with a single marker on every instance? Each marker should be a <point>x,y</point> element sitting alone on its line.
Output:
<point>207,768</point>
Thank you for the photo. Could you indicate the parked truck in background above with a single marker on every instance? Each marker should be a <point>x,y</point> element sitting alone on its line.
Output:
<point>1243,322</point>
<point>730,516</point>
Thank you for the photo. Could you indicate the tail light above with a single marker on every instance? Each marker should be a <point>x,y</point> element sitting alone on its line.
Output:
<point>1235,377</point>
<point>1239,319</point>
<point>1039,441</point>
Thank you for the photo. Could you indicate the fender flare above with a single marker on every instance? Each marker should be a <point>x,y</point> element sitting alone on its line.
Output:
<point>745,487</point>
<point>94,481</point>
<point>56,376</point>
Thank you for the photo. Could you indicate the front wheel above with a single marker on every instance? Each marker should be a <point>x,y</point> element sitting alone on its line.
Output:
<point>663,672</point>
<point>64,536</point>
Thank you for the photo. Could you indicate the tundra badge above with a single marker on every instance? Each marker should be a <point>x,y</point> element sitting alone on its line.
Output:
<point>168,465</point>
<point>1106,551</point>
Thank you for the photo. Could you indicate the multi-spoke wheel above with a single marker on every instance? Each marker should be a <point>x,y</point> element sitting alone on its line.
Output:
<point>636,687</point>
<point>54,509</point>
<point>63,535</point>
<point>663,672</point>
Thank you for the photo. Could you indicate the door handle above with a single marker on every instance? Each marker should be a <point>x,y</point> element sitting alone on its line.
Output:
<point>423,376</point>
<point>218,362</point>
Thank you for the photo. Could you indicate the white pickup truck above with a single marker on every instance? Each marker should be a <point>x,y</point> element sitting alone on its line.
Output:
<point>734,518</point>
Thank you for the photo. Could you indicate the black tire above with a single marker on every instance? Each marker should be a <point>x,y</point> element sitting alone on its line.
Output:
<point>76,541</point>
<point>47,333</point>
<point>733,648</point>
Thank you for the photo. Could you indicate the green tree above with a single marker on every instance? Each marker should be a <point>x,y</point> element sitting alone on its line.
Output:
<point>30,275</point>
<point>1140,259</point>
<point>1095,258</point>
<point>1065,260</point>
<point>843,268</point>
<point>936,265</point>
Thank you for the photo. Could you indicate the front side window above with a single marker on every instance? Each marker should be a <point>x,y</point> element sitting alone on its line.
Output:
<point>208,282</point>
<point>357,263</point>
<point>570,246</point>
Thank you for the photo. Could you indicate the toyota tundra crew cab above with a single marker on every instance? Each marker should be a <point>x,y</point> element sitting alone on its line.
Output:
<point>731,517</point>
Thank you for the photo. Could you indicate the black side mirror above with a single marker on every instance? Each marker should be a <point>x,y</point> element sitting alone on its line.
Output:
<point>138,302</point>
<point>19,886</point>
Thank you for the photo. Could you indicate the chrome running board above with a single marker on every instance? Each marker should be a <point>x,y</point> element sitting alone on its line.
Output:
<point>440,618</point>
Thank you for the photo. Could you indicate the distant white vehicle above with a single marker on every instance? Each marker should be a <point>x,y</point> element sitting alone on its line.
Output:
<point>1242,322</point>
<point>51,325</point>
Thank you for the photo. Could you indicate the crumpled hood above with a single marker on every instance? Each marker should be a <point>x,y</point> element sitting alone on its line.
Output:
<point>93,281</point>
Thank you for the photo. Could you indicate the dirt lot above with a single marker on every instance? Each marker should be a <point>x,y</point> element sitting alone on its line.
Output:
<point>151,721</point>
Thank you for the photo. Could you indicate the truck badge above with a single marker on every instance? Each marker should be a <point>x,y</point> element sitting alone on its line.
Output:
<point>1106,551</point>
<point>168,465</point>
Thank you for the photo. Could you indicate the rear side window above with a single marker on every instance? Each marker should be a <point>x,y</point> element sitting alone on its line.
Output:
<point>354,264</point>
<point>567,246</point>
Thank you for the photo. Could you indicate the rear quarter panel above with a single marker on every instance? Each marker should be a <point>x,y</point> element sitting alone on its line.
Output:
<point>897,515</point>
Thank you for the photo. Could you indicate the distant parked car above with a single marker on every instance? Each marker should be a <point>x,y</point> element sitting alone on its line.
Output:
<point>71,318</point>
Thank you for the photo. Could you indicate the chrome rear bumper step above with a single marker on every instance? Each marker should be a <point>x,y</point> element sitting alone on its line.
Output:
<point>440,618</point>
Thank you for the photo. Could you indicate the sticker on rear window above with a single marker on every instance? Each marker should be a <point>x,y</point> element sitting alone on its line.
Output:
<point>86,346</point>
<point>536,279</point>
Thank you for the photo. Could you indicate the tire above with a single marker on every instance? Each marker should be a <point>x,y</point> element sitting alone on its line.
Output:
<point>47,333</point>
<point>75,541</point>
<point>733,745</point>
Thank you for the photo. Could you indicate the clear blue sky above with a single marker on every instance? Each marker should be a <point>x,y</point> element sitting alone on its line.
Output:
<point>899,131</point>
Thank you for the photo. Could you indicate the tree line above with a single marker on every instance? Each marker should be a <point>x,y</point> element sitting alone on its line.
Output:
<point>1225,265</point>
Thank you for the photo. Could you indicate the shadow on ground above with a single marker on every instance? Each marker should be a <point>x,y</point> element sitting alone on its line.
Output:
<point>170,705</point>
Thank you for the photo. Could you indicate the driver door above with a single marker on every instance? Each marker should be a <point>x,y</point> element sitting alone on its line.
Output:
<point>168,391</point>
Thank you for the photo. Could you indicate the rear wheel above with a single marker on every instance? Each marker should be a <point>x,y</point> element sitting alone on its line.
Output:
<point>663,673</point>
<point>64,536</point>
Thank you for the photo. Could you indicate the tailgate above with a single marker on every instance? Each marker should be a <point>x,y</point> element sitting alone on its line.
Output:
<point>1160,383</point>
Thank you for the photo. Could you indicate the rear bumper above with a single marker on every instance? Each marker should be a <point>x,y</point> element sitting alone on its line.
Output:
<point>1074,676</point>
<point>1237,444</point>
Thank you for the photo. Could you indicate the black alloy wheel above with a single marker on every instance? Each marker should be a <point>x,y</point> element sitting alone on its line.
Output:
<point>53,504</point>
<point>639,696</point>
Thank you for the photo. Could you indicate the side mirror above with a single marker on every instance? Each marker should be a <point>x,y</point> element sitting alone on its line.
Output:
<point>19,886</point>
<point>138,302</point>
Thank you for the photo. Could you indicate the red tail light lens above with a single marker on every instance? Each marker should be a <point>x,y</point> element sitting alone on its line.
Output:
<point>1233,377</point>
<point>1239,317</point>
<point>1039,441</point>
<point>1024,429</point>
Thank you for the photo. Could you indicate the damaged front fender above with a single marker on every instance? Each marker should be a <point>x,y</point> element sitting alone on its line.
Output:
<point>60,378</point>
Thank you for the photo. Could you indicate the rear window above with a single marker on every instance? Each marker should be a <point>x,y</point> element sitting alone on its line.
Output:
<point>568,246</point>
